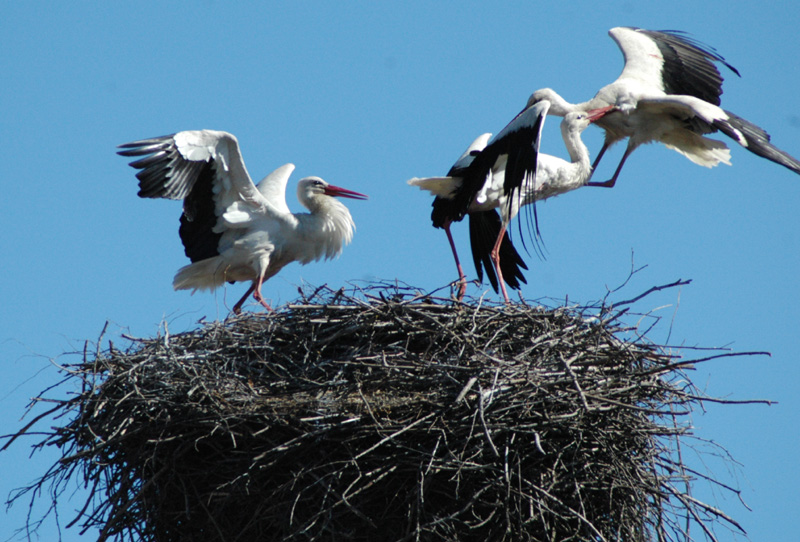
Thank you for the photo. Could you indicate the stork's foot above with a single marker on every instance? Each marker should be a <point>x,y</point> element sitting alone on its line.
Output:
<point>237,309</point>
<point>505,296</point>
<point>254,289</point>
<point>462,289</point>
<point>257,297</point>
<point>605,184</point>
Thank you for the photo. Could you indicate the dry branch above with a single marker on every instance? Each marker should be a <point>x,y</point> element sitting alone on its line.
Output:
<point>384,414</point>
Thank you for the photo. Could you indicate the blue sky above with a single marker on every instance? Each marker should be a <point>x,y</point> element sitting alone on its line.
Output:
<point>367,95</point>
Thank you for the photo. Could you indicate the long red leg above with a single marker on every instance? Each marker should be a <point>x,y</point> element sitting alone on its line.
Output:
<point>597,161</point>
<point>254,289</point>
<point>238,307</point>
<point>613,180</point>
<point>495,256</point>
<point>462,278</point>
<point>257,293</point>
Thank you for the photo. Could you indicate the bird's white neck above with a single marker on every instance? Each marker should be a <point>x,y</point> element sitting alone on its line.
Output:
<point>328,227</point>
<point>560,107</point>
<point>578,153</point>
<point>557,176</point>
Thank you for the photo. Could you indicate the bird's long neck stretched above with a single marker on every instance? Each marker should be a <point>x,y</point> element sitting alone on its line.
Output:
<point>563,176</point>
<point>559,106</point>
<point>578,152</point>
<point>554,174</point>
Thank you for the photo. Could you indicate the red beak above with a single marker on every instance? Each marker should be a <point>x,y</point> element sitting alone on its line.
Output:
<point>340,192</point>
<point>599,113</point>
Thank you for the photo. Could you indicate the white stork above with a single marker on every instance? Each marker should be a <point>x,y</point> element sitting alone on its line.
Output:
<point>233,230</point>
<point>669,91</point>
<point>506,174</point>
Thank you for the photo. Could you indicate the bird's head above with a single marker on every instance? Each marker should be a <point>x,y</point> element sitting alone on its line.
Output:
<point>579,120</point>
<point>311,190</point>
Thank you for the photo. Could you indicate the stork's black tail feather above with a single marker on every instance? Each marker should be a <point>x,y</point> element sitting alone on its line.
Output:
<point>756,140</point>
<point>484,227</point>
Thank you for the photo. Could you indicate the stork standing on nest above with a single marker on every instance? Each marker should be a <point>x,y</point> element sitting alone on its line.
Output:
<point>233,230</point>
<point>669,91</point>
<point>506,173</point>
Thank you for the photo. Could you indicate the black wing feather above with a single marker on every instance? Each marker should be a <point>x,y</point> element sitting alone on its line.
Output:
<point>165,173</point>
<point>689,65</point>
<point>484,227</point>
<point>519,141</point>
<point>199,217</point>
<point>758,140</point>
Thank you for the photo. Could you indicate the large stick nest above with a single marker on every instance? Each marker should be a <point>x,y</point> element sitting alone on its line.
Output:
<point>386,416</point>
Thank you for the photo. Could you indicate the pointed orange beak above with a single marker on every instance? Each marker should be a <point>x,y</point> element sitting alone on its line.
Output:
<point>600,112</point>
<point>339,192</point>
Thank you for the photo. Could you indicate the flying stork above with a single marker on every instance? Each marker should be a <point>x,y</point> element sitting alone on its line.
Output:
<point>506,173</point>
<point>233,230</point>
<point>669,91</point>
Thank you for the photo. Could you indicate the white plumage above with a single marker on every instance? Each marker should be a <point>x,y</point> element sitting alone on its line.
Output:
<point>669,91</point>
<point>232,229</point>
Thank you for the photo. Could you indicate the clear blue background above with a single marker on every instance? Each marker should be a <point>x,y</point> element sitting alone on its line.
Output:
<point>367,95</point>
